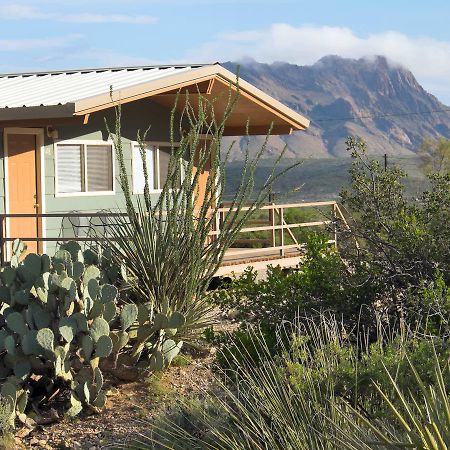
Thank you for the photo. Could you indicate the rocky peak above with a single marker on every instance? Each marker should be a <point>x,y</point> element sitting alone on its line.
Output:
<point>335,89</point>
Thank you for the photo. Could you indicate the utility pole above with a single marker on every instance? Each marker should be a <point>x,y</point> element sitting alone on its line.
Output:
<point>385,162</point>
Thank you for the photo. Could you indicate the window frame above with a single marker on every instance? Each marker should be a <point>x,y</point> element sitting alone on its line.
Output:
<point>84,143</point>
<point>155,145</point>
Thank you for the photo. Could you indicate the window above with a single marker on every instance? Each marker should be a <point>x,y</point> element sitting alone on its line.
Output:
<point>84,168</point>
<point>157,158</point>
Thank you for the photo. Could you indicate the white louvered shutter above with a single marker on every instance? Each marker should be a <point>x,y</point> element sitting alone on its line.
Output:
<point>69,170</point>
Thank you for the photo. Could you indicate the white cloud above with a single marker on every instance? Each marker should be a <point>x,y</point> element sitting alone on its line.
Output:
<point>427,58</point>
<point>27,12</point>
<point>17,45</point>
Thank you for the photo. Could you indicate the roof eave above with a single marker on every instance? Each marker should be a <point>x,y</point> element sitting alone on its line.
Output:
<point>37,112</point>
<point>178,81</point>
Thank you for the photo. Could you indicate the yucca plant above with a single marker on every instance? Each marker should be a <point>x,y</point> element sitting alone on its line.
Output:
<point>255,407</point>
<point>421,417</point>
<point>301,398</point>
<point>260,405</point>
<point>171,247</point>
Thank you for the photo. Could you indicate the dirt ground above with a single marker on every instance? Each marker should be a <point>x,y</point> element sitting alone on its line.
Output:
<point>129,407</point>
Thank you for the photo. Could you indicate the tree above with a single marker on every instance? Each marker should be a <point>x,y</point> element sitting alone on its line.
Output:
<point>402,242</point>
<point>435,155</point>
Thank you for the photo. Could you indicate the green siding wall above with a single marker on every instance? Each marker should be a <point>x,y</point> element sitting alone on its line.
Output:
<point>135,116</point>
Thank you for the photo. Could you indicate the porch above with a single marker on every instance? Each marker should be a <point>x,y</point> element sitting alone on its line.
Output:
<point>274,235</point>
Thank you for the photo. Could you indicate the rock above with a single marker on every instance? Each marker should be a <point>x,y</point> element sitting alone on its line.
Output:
<point>233,314</point>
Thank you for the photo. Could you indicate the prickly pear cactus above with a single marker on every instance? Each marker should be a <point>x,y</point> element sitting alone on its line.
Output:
<point>54,311</point>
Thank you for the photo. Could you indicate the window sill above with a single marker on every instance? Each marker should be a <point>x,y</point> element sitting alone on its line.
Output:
<point>85,194</point>
<point>151,191</point>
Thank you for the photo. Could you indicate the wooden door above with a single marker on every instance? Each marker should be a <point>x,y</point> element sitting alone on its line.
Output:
<point>22,184</point>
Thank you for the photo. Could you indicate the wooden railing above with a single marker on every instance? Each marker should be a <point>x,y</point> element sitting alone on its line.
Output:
<point>279,228</point>
<point>280,231</point>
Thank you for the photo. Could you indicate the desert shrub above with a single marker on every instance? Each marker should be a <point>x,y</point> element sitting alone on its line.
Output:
<point>429,306</point>
<point>256,406</point>
<point>335,359</point>
<point>420,414</point>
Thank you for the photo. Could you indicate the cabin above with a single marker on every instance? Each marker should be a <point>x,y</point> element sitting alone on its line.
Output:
<point>58,167</point>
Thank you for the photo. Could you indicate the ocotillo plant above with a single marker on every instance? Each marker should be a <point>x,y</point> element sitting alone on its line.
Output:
<point>170,246</point>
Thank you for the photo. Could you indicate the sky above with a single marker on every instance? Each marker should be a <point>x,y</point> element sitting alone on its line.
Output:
<point>57,34</point>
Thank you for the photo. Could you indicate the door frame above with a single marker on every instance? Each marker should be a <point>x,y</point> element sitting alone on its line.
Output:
<point>40,179</point>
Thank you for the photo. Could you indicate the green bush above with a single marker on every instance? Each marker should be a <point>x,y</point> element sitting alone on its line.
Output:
<point>352,371</point>
<point>320,283</point>
<point>420,414</point>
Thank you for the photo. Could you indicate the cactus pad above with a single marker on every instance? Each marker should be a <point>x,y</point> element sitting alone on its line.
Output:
<point>103,347</point>
<point>90,273</point>
<point>45,339</point>
<point>108,293</point>
<point>87,344</point>
<point>16,323</point>
<point>99,328</point>
<point>177,320</point>
<point>128,315</point>
<point>68,328</point>
<point>161,321</point>
<point>171,349</point>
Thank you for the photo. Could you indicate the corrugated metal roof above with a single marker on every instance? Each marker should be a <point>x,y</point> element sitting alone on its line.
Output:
<point>62,87</point>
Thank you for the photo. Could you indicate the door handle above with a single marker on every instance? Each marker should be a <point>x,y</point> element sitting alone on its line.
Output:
<point>36,205</point>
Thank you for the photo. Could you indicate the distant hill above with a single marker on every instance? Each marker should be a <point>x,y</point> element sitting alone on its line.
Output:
<point>335,89</point>
<point>320,179</point>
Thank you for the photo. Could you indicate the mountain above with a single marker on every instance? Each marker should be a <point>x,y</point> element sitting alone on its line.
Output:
<point>389,104</point>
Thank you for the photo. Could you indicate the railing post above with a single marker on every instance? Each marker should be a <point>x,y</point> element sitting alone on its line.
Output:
<point>272,221</point>
<point>335,225</point>
<point>282,231</point>
<point>2,241</point>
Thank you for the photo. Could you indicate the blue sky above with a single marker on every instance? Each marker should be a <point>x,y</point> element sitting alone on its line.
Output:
<point>57,34</point>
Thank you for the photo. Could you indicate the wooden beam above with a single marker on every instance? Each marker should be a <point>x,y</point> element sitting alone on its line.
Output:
<point>210,86</point>
<point>256,130</point>
<point>176,81</point>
